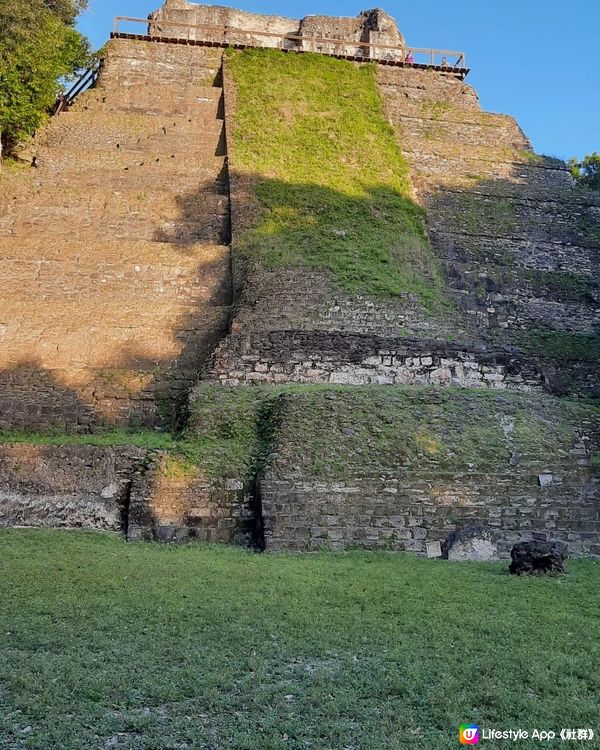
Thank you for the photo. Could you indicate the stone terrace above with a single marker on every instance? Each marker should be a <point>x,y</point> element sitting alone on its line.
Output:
<point>519,244</point>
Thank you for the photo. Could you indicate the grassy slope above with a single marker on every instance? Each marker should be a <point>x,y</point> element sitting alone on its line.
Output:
<point>322,430</point>
<point>382,429</point>
<point>109,645</point>
<point>330,177</point>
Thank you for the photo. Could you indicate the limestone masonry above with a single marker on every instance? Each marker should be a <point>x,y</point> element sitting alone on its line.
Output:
<point>369,27</point>
<point>122,302</point>
<point>115,253</point>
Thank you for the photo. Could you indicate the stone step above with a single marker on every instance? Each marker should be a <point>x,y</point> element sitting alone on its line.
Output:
<point>433,171</point>
<point>488,255</point>
<point>105,131</point>
<point>163,203</point>
<point>127,340</point>
<point>157,156</point>
<point>518,189</point>
<point>78,250</point>
<point>71,269</point>
<point>518,304</point>
<point>450,149</point>
<point>134,181</point>
<point>183,233</point>
<point>145,326</point>
<point>197,87</point>
<point>446,114</point>
<point>465,135</point>
<point>154,216</point>
<point>571,202</point>
<point>159,63</point>
<point>159,299</point>
<point>145,98</point>
<point>472,213</point>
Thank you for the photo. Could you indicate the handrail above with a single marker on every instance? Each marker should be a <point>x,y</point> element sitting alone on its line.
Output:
<point>370,48</point>
<point>85,81</point>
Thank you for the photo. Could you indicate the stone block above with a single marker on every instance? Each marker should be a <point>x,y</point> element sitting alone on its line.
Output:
<point>471,543</point>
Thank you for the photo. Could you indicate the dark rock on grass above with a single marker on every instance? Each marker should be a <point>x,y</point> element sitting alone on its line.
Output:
<point>471,543</point>
<point>538,558</point>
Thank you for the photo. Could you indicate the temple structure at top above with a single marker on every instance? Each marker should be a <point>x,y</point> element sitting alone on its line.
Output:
<point>371,36</point>
<point>373,33</point>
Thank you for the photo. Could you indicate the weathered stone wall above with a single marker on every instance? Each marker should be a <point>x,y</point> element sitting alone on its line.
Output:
<point>182,12</point>
<point>273,299</point>
<point>396,514</point>
<point>518,242</point>
<point>67,486</point>
<point>113,250</point>
<point>175,501</point>
<point>352,359</point>
<point>395,471</point>
<point>240,27</point>
<point>145,494</point>
<point>371,26</point>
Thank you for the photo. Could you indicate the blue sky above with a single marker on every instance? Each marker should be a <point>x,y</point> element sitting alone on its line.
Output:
<point>538,60</point>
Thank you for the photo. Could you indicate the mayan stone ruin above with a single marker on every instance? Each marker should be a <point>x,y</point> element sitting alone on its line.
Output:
<point>315,409</point>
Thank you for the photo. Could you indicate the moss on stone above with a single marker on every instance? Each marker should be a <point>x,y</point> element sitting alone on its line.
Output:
<point>142,438</point>
<point>564,286</point>
<point>329,175</point>
<point>559,346</point>
<point>336,432</point>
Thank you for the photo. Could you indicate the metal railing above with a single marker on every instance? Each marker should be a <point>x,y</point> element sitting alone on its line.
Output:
<point>83,83</point>
<point>224,36</point>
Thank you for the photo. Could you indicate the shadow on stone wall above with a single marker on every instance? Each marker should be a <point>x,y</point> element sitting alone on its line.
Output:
<point>34,397</point>
<point>520,256</point>
<point>134,388</point>
<point>517,259</point>
<point>514,263</point>
<point>373,241</point>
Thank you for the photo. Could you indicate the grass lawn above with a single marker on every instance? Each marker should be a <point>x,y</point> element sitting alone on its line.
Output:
<point>113,645</point>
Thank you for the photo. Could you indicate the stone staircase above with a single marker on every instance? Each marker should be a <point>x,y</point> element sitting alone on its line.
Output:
<point>114,249</point>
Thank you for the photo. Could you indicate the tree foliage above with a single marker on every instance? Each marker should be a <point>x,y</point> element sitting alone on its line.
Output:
<point>38,46</point>
<point>587,171</point>
<point>66,10</point>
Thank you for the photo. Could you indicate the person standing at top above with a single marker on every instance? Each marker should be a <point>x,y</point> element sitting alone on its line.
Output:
<point>409,58</point>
